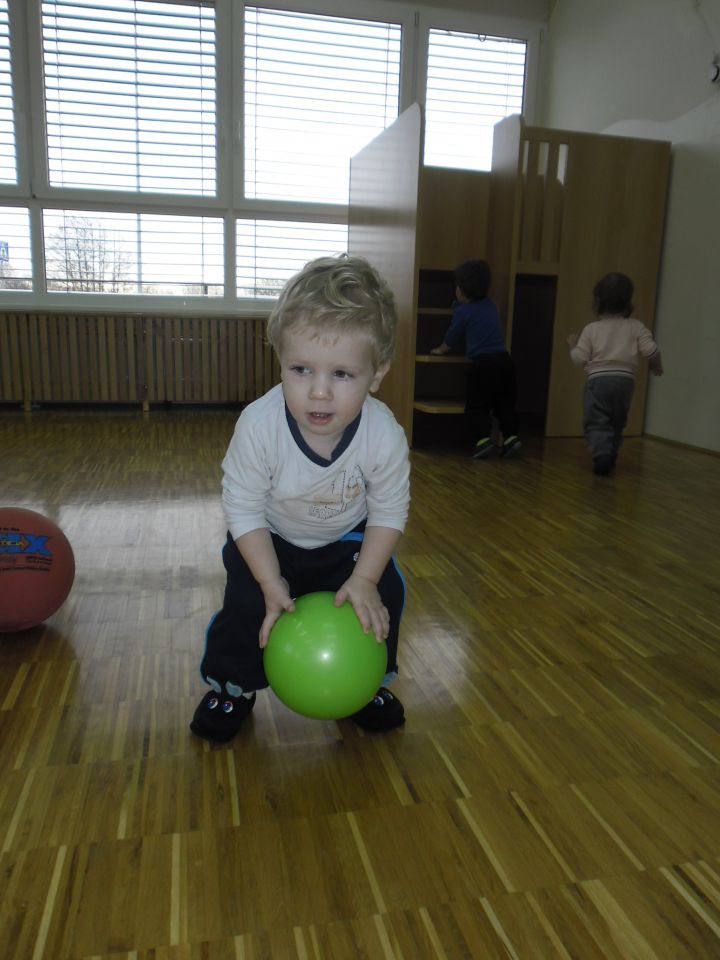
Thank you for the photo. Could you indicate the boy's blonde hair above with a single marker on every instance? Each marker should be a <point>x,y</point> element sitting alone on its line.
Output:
<point>332,296</point>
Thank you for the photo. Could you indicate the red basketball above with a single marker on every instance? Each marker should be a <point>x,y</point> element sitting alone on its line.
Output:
<point>37,568</point>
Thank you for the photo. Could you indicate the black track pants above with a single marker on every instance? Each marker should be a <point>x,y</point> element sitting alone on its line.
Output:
<point>232,652</point>
<point>491,390</point>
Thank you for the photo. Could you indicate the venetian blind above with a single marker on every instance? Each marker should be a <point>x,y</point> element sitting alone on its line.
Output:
<point>472,82</point>
<point>130,95</point>
<point>317,90</point>
<point>8,159</point>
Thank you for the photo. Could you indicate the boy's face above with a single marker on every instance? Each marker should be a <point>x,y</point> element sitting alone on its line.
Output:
<point>325,382</point>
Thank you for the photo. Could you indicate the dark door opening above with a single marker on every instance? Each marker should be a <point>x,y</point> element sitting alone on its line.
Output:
<point>531,348</point>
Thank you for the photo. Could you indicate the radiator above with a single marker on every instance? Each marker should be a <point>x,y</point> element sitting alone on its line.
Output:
<point>99,359</point>
<point>206,360</point>
<point>12,386</point>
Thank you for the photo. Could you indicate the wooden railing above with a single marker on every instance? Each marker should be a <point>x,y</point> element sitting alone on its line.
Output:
<point>543,172</point>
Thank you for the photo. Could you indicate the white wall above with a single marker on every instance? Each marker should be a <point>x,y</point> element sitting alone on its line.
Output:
<point>641,68</point>
<point>530,9</point>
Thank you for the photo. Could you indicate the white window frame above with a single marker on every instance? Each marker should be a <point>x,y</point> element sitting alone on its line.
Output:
<point>34,192</point>
<point>75,196</point>
<point>288,209</point>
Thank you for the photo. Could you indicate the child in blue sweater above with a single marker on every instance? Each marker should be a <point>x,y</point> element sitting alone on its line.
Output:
<point>491,388</point>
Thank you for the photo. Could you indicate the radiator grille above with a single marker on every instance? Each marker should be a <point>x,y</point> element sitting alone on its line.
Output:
<point>77,359</point>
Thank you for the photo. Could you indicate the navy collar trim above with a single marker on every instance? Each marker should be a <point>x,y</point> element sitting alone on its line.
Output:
<point>343,444</point>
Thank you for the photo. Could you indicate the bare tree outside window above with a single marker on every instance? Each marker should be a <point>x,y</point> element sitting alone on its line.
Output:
<point>83,257</point>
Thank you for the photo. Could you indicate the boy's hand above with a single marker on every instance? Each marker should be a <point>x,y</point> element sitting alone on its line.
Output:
<point>277,600</point>
<point>572,339</point>
<point>365,599</point>
<point>441,350</point>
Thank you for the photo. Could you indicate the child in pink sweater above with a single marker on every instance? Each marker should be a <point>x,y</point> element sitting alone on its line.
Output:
<point>609,349</point>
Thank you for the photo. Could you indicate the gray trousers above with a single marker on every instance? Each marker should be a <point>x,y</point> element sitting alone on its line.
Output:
<point>606,404</point>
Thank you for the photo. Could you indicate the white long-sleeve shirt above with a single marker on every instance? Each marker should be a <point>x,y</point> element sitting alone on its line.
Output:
<point>272,480</point>
<point>613,345</point>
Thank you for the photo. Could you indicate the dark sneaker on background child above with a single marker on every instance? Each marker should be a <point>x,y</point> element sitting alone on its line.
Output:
<point>482,449</point>
<point>603,466</point>
<point>511,447</point>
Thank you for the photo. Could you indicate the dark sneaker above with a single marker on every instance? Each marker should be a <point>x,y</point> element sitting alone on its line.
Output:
<point>219,716</point>
<point>482,449</point>
<point>603,465</point>
<point>511,447</point>
<point>384,712</point>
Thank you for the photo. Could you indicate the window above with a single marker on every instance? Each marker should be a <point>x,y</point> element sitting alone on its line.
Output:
<point>15,261</point>
<point>271,251</point>
<point>172,151</point>
<point>472,82</point>
<point>8,160</point>
<point>132,253</point>
<point>317,89</point>
<point>130,95</point>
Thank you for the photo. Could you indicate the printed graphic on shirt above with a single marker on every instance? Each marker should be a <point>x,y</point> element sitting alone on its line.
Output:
<point>344,488</point>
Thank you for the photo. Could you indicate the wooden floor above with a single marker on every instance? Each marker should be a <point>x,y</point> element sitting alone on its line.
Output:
<point>555,792</point>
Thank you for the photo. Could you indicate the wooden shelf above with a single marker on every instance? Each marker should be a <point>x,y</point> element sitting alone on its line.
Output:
<point>452,406</point>
<point>438,358</point>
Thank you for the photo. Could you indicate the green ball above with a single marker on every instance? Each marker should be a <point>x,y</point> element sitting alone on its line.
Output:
<point>320,662</point>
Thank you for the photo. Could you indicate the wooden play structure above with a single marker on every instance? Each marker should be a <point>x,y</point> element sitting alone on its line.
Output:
<point>558,210</point>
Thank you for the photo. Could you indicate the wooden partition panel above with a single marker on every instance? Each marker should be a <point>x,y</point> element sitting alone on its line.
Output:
<point>383,217</point>
<point>452,220</point>
<point>613,218</point>
<point>503,215</point>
